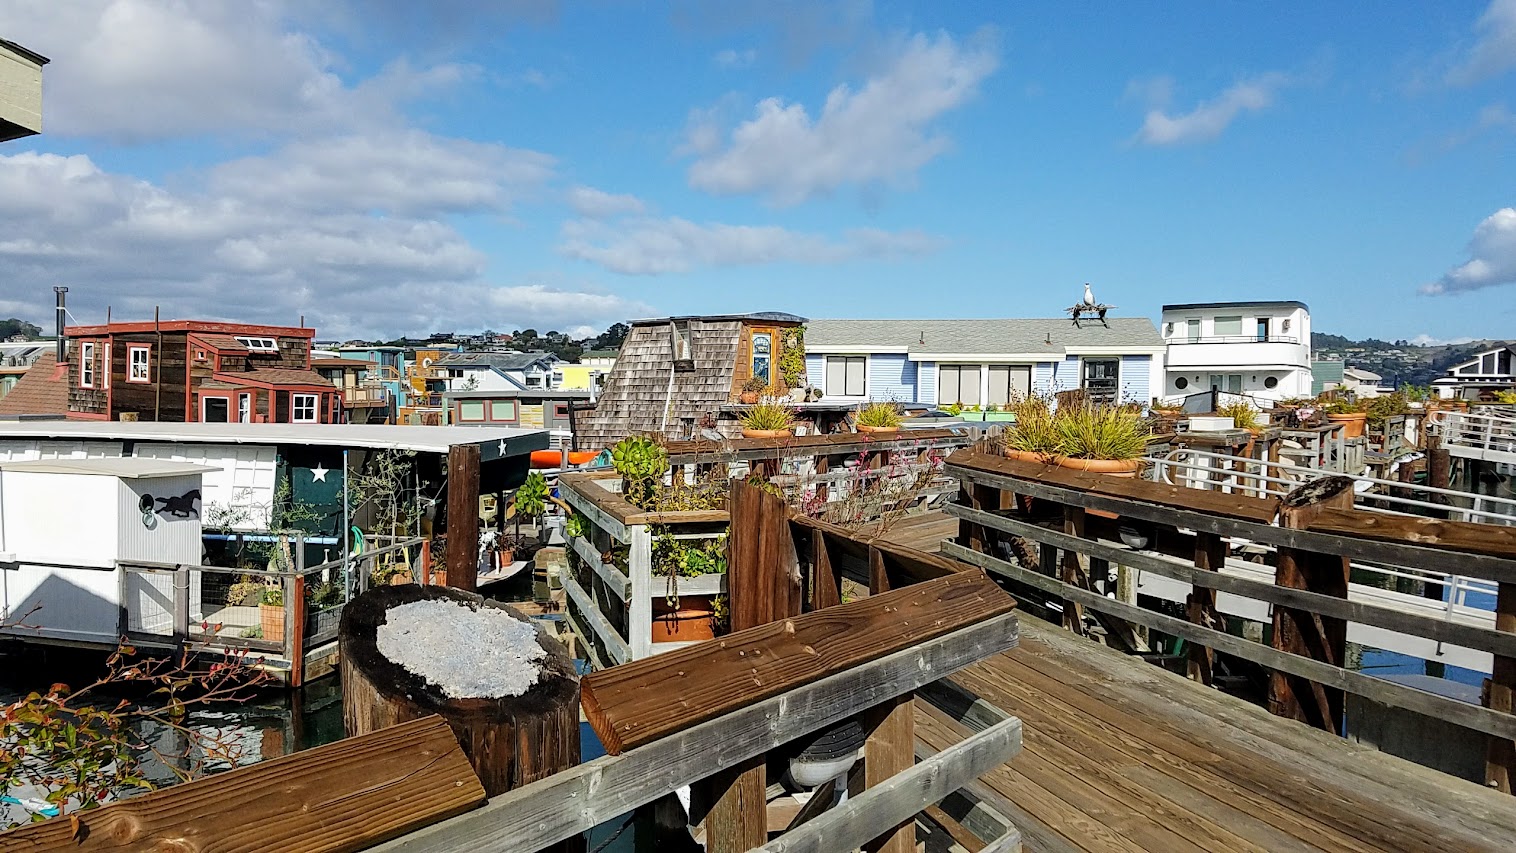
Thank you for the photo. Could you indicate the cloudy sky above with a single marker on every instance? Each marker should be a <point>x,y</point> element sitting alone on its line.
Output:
<point>396,167</point>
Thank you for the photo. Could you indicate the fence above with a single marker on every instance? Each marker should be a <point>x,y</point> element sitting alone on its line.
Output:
<point>1489,437</point>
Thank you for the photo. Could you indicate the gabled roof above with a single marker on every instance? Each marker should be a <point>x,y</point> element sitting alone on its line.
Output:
<point>1361,375</point>
<point>982,337</point>
<point>502,361</point>
<point>275,376</point>
<point>219,342</point>
<point>42,390</point>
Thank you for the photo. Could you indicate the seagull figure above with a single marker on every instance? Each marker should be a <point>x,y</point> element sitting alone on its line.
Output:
<point>1089,298</point>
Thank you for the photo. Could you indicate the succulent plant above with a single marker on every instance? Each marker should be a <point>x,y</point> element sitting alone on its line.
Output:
<point>641,462</point>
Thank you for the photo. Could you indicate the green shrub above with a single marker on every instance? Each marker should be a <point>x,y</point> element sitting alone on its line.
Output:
<point>879,415</point>
<point>1099,432</point>
<point>769,415</point>
<point>1243,415</point>
<point>641,462</point>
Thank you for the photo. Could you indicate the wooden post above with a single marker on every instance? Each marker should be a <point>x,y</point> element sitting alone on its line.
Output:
<point>890,749</point>
<point>763,585</point>
<point>181,604</point>
<point>509,741</point>
<point>823,466</point>
<point>1073,571</point>
<point>1200,606</point>
<point>826,585</point>
<point>463,517</point>
<point>1500,755</point>
<point>1302,632</point>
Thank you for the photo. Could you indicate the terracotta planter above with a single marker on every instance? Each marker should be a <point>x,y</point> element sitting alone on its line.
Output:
<point>1353,423</point>
<point>1112,467</point>
<point>1030,456</point>
<point>879,431</point>
<point>747,398</point>
<point>271,620</point>
<point>695,620</point>
<point>767,433</point>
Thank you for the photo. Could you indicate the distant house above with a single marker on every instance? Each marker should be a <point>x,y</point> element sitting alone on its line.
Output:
<point>1259,349</point>
<point>1488,371</point>
<point>1364,383</point>
<point>983,362</point>
<point>534,409</point>
<point>365,397</point>
<point>16,358</point>
<point>181,371</point>
<point>501,371</point>
<point>676,373</point>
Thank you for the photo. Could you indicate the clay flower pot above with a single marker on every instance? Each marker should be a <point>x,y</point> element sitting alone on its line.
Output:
<point>694,620</point>
<point>1353,423</point>
<point>877,430</point>
<point>1113,467</point>
<point>767,433</point>
<point>748,398</point>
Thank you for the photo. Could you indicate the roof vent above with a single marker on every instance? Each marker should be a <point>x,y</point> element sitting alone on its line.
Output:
<point>923,337</point>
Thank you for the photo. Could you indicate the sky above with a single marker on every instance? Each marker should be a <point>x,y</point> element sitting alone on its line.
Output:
<point>385,167</point>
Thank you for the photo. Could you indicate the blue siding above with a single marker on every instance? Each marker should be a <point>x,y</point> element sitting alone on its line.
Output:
<point>1066,374</point>
<point>1042,377</point>
<point>815,369</point>
<point>926,382</point>
<point>892,376</point>
<point>1135,372</point>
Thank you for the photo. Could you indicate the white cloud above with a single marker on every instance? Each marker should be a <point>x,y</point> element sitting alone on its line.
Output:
<point>599,204</point>
<point>232,250</point>
<point>647,246</point>
<point>1425,340</point>
<point>1494,49</point>
<point>1492,257</point>
<point>152,69</point>
<point>731,58</point>
<point>879,133</point>
<point>1208,119</point>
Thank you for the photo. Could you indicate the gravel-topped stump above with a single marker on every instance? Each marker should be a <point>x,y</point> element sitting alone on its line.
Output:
<point>508,690</point>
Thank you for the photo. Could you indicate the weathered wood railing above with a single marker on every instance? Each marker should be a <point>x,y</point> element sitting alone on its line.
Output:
<point>1080,524</point>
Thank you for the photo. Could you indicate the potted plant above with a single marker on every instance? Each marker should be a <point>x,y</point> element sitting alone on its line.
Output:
<point>1243,416</point>
<point>752,390</point>
<point>641,462</point>
<point>1032,437</point>
<point>769,419</point>
<point>1506,397</point>
<point>685,618</point>
<point>1101,439</point>
<point>530,500</point>
<point>271,613</point>
<point>1380,409</point>
<point>1350,414</point>
<point>879,418</point>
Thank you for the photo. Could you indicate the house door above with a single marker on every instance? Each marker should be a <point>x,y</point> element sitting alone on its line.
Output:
<point>244,408</point>
<point>1263,328</point>
<point>215,410</point>
<point>1102,379</point>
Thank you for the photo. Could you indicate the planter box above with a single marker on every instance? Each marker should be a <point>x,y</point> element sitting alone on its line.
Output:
<point>1000,417</point>
<point>1210,424</point>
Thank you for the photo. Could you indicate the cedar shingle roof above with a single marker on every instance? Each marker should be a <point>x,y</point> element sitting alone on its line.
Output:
<point>38,392</point>
<point>223,343</point>
<point>276,376</point>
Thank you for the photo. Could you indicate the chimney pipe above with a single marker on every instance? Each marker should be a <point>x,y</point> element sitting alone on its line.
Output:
<point>61,311</point>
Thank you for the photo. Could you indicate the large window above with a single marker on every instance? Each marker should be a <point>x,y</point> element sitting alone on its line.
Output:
<point>304,408</point>
<point>1227,326</point>
<point>87,365</point>
<point>958,383</point>
<point>1228,382</point>
<point>845,375</point>
<point>1009,382</point>
<point>471,410</point>
<point>215,410</point>
<point>681,340</point>
<point>502,410</point>
<point>137,358</point>
<point>244,408</point>
<point>1263,328</point>
<point>1102,379</point>
<point>1192,330</point>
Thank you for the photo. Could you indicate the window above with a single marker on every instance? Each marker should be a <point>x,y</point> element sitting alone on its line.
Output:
<point>958,383</point>
<point>1224,326</point>
<point>244,408</point>
<point>137,358</point>
<point>534,380</point>
<point>1192,330</point>
<point>1230,383</point>
<point>87,365</point>
<point>471,410</point>
<point>1271,382</point>
<point>259,345</point>
<point>1263,328</point>
<point>557,379</point>
<point>502,410</point>
<point>560,411</point>
<point>763,354</point>
<point>455,373</point>
<point>1102,379</point>
<point>105,374</point>
<point>1181,383</point>
<point>201,355</point>
<point>680,330</point>
<point>304,408</point>
<point>845,375</point>
<point>1009,382</point>
<point>215,410</point>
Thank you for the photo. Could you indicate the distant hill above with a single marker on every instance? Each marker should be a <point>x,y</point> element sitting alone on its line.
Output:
<point>1399,362</point>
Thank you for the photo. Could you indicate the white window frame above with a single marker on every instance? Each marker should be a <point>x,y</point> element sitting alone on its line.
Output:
<point>205,403</point>
<point>244,408</point>
<point>87,364</point>
<point>259,344</point>
<point>980,370</point>
<point>826,366</point>
<point>315,407</point>
<point>146,375</point>
<point>105,376</point>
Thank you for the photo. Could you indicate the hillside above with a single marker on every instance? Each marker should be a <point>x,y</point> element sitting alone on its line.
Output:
<point>1399,362</point>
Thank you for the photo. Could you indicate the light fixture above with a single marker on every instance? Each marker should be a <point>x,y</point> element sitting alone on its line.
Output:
<point>829,755</point>
<point>1134,536</point>
<point>1168,330</point>
<point>1287,324</point>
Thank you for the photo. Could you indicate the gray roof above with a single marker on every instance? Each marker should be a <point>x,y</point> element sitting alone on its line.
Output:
<point>983,337</point>
<point>506,361</point>
<point>1197,306</point>
<point>756,317</point>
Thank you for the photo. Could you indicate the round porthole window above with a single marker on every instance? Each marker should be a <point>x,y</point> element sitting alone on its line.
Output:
<point>1271,383</point>
<point>1181,383</point>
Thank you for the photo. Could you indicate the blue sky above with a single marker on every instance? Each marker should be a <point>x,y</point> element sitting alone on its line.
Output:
<point>389,167</point>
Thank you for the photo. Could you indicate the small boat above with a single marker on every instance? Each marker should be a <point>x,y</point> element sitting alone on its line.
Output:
<point>554,458</point>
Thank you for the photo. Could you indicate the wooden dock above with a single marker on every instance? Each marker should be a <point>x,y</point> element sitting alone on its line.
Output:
<point>1120,755</point>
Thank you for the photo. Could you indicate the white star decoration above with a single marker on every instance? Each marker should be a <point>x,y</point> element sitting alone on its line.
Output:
<point>502,447</point>
<point>318,473</point>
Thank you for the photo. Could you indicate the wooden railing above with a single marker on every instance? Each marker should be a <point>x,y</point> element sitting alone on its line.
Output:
<point>1077,526</point>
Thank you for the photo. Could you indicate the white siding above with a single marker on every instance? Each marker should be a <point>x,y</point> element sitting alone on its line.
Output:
<point>240,493</point>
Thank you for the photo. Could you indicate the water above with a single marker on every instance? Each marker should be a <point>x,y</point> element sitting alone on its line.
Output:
<point>1381,662</point>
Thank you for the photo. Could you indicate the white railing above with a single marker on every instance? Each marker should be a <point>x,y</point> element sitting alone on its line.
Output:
<point>1487,433</point>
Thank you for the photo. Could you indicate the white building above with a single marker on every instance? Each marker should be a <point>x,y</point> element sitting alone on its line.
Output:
<point>1259,349</point>
<point>502,371</point>
<point>1486,372</point>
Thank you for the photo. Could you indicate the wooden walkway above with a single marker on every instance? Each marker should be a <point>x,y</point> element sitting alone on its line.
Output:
<point>1121,755</point>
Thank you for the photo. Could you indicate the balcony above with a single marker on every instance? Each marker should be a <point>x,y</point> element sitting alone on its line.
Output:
<point>1235,339</point>
<point>365,397</point>
<point>1238,352</point>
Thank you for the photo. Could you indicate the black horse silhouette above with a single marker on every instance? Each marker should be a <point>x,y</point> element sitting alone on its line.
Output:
<point>182,506</point>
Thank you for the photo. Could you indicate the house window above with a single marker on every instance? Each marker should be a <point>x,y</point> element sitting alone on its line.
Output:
<point>1225,326</point>
<point>259,345</point>
<point>201,355</point>
<point>105,374</point>
<point>557,379</point>
<point>1228,382</point>
<point>244,408</point>
<point>87,365</point>
<point>137,358</point>
<point>303,408</point>
<point>845,375</point>
<point>1192,330</point>
<point>763,355</point>
<point>1102,379</point>
<point>958,383</point>
<point>215,410</point>
<point>1271,383</point>
<point>1009,382</point>
<point>560,411</point>
<point>1263,328</point>
<point>1181,383</point>
<point>455,372</point>
<point>502,410</point>
<point>471,410</point>
<point>680,329</point>
<point>534,380</point>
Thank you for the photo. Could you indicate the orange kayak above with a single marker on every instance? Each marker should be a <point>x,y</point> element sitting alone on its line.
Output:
<point>554,458</point>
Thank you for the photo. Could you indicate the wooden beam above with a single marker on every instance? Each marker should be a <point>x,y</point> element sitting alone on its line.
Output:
<point>1500,755</point>
<point>763,574</point>
<point>639,616</point>
<point>346,795</point>
<point>580,601</point>
<point>534,816</point>
<point>1071,571</point>
<point>888,751</point>
<point>463,516</point>
<point>1465,537</point>
<point>1200,605</point>
<point>826,583</point>
<point>644,700</point>
<point>856,822</point>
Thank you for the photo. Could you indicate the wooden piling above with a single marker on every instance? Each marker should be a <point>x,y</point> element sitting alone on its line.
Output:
<point>463,517</point>
<point>1301,632</point>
